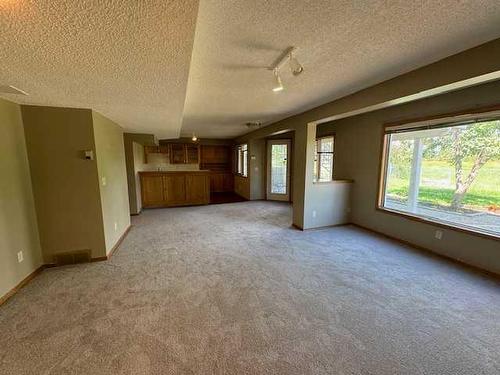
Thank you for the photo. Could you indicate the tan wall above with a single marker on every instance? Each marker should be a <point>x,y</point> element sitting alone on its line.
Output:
<point>110,155</point>
<point>257,169</point>
<point>358,147</point>
<point>138,151</point>
<point>18,226</point>
<point>65,185</point>
<point>128,139</point>
<point>242,186</point>
<point>329,205</point>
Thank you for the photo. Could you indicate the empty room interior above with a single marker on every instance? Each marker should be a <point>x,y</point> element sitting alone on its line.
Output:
<point>250,187</point>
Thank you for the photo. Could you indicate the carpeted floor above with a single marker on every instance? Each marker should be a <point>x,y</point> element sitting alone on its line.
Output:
<point>232,289</point>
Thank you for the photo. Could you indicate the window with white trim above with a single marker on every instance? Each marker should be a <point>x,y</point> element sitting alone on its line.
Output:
<point>323,160</point>
<point>242,160</point>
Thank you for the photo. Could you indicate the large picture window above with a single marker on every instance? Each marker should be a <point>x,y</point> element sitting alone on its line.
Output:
<point>242,160</point>
<point>447,173</point>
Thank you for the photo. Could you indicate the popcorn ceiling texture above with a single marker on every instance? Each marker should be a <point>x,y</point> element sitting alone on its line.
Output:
<point>344,45</point>
<point>232,289</point>
<point>128,60</point>
<point>131,60</point>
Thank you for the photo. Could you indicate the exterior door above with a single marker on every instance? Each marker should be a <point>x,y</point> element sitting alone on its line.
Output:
<point>278,170</point>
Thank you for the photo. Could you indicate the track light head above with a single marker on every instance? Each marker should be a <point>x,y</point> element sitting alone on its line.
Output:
<point>295,66</point>
<point>278,84</point>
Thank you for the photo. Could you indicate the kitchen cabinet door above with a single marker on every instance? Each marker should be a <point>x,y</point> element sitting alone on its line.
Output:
<point>177,153</point>
<point>197,189</point>
<point>152,191</point>
<point>175,189</point>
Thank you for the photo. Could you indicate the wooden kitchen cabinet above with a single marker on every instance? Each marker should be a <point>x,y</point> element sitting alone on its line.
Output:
<point>198,189</point>
<point>164,149</point>
<point>174,187</point>
<point>192,154</point>
<point>228,182</point>
<point>177,153</point>
<point>152,190</point>
<point>221,182</point>
<point>184,153</point>
<point>167,189</point>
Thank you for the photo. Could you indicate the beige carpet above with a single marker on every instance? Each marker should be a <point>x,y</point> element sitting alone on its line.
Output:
<point>232,289</point>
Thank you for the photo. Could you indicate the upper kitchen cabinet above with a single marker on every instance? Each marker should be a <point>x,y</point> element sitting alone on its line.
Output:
<point>182,153</point>
<point>192,154</point>
<point>148,150</point>
<point>216,157</point>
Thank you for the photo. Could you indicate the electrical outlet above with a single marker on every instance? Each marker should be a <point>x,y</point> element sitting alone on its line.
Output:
<point>438,235</point>
<point>116,226</point>
<point>20,256</point>
<point>103,179</point>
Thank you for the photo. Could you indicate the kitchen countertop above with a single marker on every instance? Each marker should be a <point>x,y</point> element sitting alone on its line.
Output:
<point>173,172</point>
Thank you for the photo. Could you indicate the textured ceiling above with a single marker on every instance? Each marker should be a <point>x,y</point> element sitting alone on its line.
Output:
<point>344,45</point>
<point>132,61</point>
<point>128,60</point>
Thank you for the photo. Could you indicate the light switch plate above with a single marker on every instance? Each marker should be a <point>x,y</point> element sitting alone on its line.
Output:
<point>20,256</point>
<point>103,179</point>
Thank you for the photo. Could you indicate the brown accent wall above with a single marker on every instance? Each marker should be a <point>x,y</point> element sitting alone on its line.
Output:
<point>65,184</point>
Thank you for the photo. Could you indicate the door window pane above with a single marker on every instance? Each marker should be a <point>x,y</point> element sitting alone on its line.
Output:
<point>279,154</point>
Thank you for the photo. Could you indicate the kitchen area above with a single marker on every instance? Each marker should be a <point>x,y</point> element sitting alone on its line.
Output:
<point>183,172</point>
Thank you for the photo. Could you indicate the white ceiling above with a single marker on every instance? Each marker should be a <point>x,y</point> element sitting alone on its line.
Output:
<point>128,60</point>
<point>133,60</point>
<point>344,45</point>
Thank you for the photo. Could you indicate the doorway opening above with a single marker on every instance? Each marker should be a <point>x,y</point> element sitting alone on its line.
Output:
<point>278,170</point>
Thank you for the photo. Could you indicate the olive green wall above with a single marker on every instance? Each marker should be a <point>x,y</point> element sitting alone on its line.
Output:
<point>358,147</point>
<point>110,155</point>
<point>65,184</point>
<point>18,226</point>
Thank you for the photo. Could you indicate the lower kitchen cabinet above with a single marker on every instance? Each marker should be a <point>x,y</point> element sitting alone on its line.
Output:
<point>167,189</point>
<point>221,182</point>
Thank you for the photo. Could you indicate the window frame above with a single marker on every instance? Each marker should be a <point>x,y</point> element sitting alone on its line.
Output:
<point>446,119</point>
<point>239,152</point>
<point>317,159</point>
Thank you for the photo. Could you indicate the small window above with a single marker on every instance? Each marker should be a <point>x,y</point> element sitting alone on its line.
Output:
<point>242,160</point>
<point>446,173</point>
<point>323,161</point>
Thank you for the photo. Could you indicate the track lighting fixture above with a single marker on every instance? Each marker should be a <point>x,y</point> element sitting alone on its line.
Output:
<point>295,67</point>
<point>278,85</point>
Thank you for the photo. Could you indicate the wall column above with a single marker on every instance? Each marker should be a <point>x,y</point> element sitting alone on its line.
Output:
<point>305,138</point>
